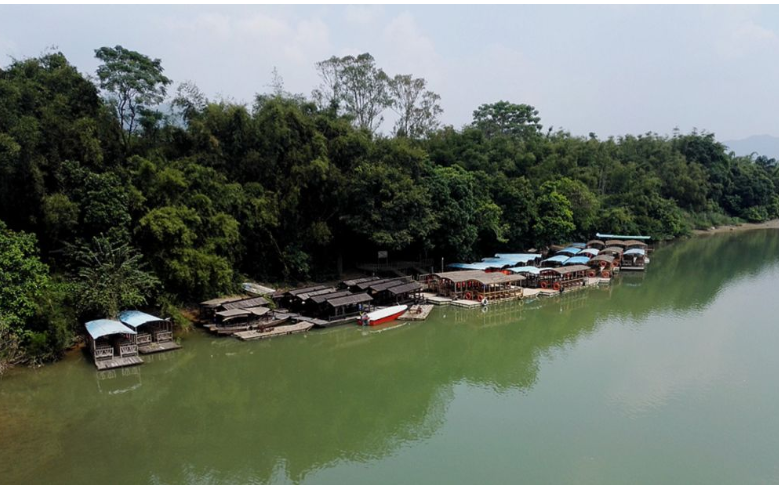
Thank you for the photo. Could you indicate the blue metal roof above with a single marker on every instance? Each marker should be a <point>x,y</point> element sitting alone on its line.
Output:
<point>101,328</point>
<point>462,266</point>
<point>634,251</point>
<point>613,236</point>
<point>135,319</point>
<point>498,262</point>
<point>576,260</point>
<point>579,245</point>
<point>518,257</point>
<point>590,251</point>
<point>557,259</point>
<point>571,250</point>
<point>525,269</point>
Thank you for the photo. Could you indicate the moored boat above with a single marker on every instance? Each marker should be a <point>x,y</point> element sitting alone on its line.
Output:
<point>388,314</point>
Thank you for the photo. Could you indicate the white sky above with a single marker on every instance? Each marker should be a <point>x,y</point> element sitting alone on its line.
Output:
<point>607,69</point>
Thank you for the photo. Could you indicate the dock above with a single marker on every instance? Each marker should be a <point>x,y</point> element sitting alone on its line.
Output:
<point>106,364</point>
<point>434,299</point>
<point>465,303</point>
<point>416,313</point>
<point>158,347</point>
<point>275,331</point>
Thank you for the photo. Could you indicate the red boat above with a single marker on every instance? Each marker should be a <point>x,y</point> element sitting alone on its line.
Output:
<point>384,315</point>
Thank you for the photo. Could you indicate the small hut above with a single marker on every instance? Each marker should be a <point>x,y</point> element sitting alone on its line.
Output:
<point>352,284</point>
<point>405,293</point>
<point>348,306</point>
<point>112,344</point>
<point>209,307</point>
<point>153,334</point>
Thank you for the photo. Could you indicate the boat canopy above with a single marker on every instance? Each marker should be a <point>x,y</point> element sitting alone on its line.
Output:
<point>101,328</point>
<point>589,251</point>
<point>499,262</point>
<point>570,250</point>
<point>556,259</point>
<point>614,236</point>
<point>579,245</point>
<point>576,260</point>
<point>135,319</point>
<point>519,257</point>
<point>635,252</point>
<point>525,269</point>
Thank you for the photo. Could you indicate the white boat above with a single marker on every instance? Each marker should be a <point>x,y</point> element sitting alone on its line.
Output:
<point>384,315</point>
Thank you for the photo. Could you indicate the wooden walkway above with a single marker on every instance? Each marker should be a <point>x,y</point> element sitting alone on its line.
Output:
<point>158,347</point>
<point>417,312</point>
<point>275,332</point>
<point>117,362</point>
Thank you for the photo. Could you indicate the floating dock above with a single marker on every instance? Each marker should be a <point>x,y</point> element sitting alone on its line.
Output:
<point>117,362</point>
<point>158,347</point>
<point>275,332</point>
<point>416,313</point>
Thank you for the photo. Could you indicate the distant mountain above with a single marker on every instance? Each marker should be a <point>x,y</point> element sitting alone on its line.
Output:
<point>762,144</point>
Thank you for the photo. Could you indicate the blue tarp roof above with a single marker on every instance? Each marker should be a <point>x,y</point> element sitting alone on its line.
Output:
<point>101,328</point>
<point>518,257</point>
<point>590,251</point>
<point>613,236</point>
<point>579,245</point>
<point>478,266</point>
<point>577,260</point>
<point>557,259</point>
<point>634,251</point>
<point>135,319</point>
<point>525,269</point>
<point>498,262</point>
<point>570,249</point>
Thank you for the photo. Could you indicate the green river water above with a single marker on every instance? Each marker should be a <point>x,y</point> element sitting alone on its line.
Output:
<point>664,377</point>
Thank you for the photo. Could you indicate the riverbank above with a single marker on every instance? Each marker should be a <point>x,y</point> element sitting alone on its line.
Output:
<point>772,224</point>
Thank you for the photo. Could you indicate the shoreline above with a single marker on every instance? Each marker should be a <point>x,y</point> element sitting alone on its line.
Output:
<point>747,226</point>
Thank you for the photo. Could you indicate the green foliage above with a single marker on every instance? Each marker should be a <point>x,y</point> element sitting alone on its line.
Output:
<point>109,276</point>
<point>23,279</point>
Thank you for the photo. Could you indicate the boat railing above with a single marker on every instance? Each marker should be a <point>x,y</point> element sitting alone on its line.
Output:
<point>104,353</point>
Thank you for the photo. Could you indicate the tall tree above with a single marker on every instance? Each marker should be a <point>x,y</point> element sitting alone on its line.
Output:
<point>134,82</point>
<point>418,109</point>
<point>509,119</point>
<point>356,86</point>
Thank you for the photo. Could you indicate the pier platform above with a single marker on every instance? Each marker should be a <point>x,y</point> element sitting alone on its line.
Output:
<point>158,347</point>
<point>416,313</point>
<point>275,332</point>
<point>117,362</point>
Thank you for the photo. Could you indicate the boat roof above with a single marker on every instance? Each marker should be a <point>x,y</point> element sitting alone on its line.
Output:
<point>103,327</point>
<point>245,303</point>
<point>480,276</point>
<point>612,249</point>
<point>570,249</point>
<point>329,296</point>
<point>590,251</point>
<point>135,319</point>
<point>359,280</point>
<point>561,258</point>
<point>636,251</point>
<point>579,245</point>
<point>576,260</point>
<point>518,257</point>
<point>525,269</point>
<point>603,257</point>
<point>614,236</point>
<point>388,284</point>
<point>569,269</point>
<point>407,288</point>
<point>215,302</point>
<point>257,289</point>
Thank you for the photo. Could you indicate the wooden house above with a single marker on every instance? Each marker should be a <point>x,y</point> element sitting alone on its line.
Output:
<point>153,334</point>
<point>112,344</point>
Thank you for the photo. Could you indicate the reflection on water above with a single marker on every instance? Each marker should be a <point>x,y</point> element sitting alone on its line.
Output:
<point>557,390</point>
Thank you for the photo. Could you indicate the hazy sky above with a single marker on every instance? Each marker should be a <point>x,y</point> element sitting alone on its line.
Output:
<point>608,69</point>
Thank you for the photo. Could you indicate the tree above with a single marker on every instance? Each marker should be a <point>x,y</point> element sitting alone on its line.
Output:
<point>356,86</point>
<point>134,82</point>
<point>555,217</point>
<point>23,279</point>
<point>507,119</point>
<point>418,109</point>
<point>110,276</point>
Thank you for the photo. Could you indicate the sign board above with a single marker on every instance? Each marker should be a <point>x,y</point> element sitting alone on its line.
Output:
<point>382,254</point>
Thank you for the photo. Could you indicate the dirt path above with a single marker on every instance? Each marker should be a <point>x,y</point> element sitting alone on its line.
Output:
<point>772,224</point>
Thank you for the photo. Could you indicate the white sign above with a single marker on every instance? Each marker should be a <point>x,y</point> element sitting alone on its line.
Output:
<point>382,254</point>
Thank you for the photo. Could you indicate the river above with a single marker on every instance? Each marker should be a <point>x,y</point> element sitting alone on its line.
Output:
<point>664,377</point>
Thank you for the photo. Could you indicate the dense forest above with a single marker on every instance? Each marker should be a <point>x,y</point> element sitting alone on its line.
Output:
<point>117,190</point>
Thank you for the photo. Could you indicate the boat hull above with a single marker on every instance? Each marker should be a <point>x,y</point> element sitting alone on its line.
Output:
<point>384,315</point>
<point>390,318</point>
